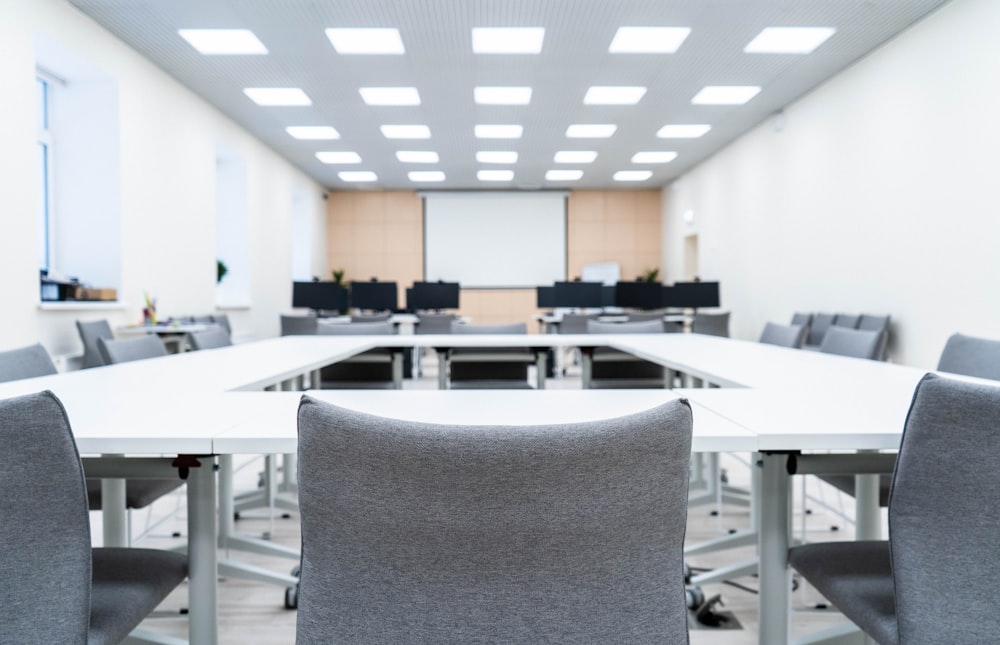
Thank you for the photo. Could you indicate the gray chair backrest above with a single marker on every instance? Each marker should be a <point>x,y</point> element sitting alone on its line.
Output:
<point>209,339</point>
<point>509,328</point>
<point>130,349</point>
<point>222,320</point>
<point>971,356</point>
<point>298,325</point>
<point>943,534</point>
<point>45,531</point>
<point>434,323</point>
<point>379,317</point>
<point>857,343</point>
<point>711,324</point>
<point>25,362</point>
<point>89,333</point>
<point>783,335</point>
<point>817,329</point>
<point>637,327</point>
<point>870,322</point>
<point>356,328</point>
<point>847,320</point>
<point>575,323</point>
<point>637,316</point>
<point>423,533</point>
<point>803,319</point>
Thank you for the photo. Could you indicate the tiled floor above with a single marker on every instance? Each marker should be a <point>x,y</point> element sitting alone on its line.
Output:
<point>253,613</point>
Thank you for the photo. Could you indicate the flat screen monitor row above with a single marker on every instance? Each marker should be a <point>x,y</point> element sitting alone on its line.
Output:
<point>377,296</point>
<point>631,295</point>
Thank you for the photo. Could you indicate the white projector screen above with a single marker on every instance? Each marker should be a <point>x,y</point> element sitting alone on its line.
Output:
<point>498,240</point>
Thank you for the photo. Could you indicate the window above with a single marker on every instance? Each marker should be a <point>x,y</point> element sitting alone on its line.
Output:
<point>43,93</point>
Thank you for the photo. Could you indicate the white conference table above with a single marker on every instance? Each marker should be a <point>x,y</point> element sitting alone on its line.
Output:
<point>210,403</point>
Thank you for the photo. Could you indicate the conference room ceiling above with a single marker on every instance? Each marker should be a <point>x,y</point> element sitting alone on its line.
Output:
<point>440,64</point>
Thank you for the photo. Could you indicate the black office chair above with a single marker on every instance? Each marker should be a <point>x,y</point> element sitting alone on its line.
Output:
<point>934,580</point>
<point>417,533</point>
<point>54,587</point>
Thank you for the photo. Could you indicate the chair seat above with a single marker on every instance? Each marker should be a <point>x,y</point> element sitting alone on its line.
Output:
<point>139,493</point>
<point>845,484</point>
<point>857,578</point>
<point>127,585</point>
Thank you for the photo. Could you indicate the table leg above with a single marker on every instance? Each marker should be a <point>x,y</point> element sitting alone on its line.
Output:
<point>868,517</point>
<point>775,577</point>
<point>203,628</point>
<point>541,364</point>
<point>442,369</point>
<point>114,515</point>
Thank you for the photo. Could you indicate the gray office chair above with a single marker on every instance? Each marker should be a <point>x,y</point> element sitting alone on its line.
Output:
<point>209,339</point>
<point>431,323</point>
<point>850,321</point>
<point>89,333</point>
<point>53,586</point>
<point>298,325</point>
<point>801,318</point>
<point>934,580</point>
<point>25,362</point>
<point>640,316</point>
<point>783,335</point>
<point>489,367</point>
<point>130,349</point>
<point>711,324</point>
<point>575,323</point>
<point>378,317</point>
<point>817,330</point>
<point>611,368</point>
<point>880,324</point>
<point>857,343</point>
<point>222,320</point>
<point>369,370</point>
<point>422,533</point>
<point>971,356</point>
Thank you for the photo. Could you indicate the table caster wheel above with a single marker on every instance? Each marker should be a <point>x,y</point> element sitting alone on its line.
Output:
<point>292,597</point>
<point>694,597</point>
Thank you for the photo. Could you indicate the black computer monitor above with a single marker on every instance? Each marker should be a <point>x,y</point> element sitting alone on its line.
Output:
<point>578,294</point>
<point>319,296</point>
<point>545,297</point>
<point>693,295</point>
<point>433,295</point>
<point>639,295</point>
<point>608,295</point>
<point>376,296</point>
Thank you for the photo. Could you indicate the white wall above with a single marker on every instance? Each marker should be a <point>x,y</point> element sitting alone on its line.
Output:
<point>880,194</point>
<point>168,140</point>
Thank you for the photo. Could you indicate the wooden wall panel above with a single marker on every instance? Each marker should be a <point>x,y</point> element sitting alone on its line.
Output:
<point>380,234</point>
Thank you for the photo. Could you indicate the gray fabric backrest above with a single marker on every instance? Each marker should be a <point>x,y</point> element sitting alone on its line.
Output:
<point>873,323</point>
<point>44,526</point>
<point>419,533</point>
<point>89,333</point>
<point>222,320</point>
<point>434,323</point>
<point>379,317</point>
<point>575,323</point>
<point>783,335</point>
<point>857,343</point>
<point>209,339</point>
<point>637,316</point>
<point>298,325</point>
<point>711,324</point>
<point>804,319</point>
<point>637,327</point>
<point>510,328</point>
<point>130,349</point>
<point>25,362</point>
<point>971,356</point>
<point>847,320</point>
<point>817,329</point>
<point>356,328</point>
<point>943,528</point>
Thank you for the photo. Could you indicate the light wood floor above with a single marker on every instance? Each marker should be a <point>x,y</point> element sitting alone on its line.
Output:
<point>252,613</point>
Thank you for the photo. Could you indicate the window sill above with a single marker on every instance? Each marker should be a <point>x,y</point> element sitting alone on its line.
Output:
<point>83,305</point>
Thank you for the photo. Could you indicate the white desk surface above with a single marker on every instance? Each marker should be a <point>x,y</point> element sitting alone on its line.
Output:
<point>169,328</point>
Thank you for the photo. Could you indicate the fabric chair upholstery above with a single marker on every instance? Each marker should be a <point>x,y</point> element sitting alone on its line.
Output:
<point>711,324</point>
<point>817,329</point>
<point>783,335</point>
<point>496,367</point>
<point>880,324</point>
<point>971,356</point>
<point>611,368</point>
<point>209,339</point>
<point>222,320</point>
<point>802,318</point>
<point>847,320</point>
<point>368,370</point>
<point>638,316</point>
<point>89,333</point>
<point>575,323</point>
<point>379,317</point>
<point>941,543</point>
<point>298,325</point>
<point>57,589</point>
<point>422,533</point>
<point>430,323</point>
<point>25,362</point>
<point>130,349</point>
<point>856,343</point>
